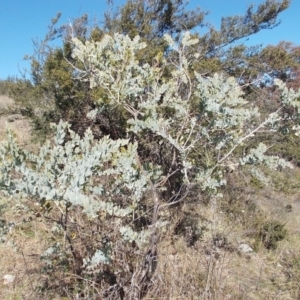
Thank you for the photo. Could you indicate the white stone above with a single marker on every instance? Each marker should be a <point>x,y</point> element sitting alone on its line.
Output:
<point>8,279</point>
<point>245,248</point>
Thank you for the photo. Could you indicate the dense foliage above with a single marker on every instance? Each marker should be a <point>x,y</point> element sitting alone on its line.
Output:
<point>190,126</point>
<point>53,93</point>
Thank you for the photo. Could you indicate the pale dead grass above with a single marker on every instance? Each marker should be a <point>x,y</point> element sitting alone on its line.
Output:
<point>21,130</point>
<point>203,271</point>
<point>23,261</point>
<point>20,254</point>
<point>217,274</point>
<point>5,102</point>
<point>208,272</point>
<point>281,200</point>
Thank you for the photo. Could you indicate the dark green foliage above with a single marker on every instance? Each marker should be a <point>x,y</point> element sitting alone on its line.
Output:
<point>220,240</point>
<point>237,60</point>
<point>271,233</point>
<point>190,227</point>
<point>255,222</point>
<point>54,93</point>
<point>151,19</point>
<point>280,59</point>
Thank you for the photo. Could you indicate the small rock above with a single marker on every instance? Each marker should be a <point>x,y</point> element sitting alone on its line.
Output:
<point>288,208</point>
<point>8,279</point>
<point>244,248</point>
<point>14,117</point>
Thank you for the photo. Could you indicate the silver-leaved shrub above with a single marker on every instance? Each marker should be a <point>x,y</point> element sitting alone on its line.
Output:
<point>201,120</point>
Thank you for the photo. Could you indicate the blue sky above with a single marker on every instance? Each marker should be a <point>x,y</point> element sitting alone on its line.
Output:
<point>24,20</point>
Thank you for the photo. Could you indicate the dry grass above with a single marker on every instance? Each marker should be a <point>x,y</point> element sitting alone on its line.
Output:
<point>199,273</point>
<point>5,102</point>
<point>20,256</point>
<point>211,271</point>
<point>20,127</point>
<point>206,270</point>
<point>25,265</point>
